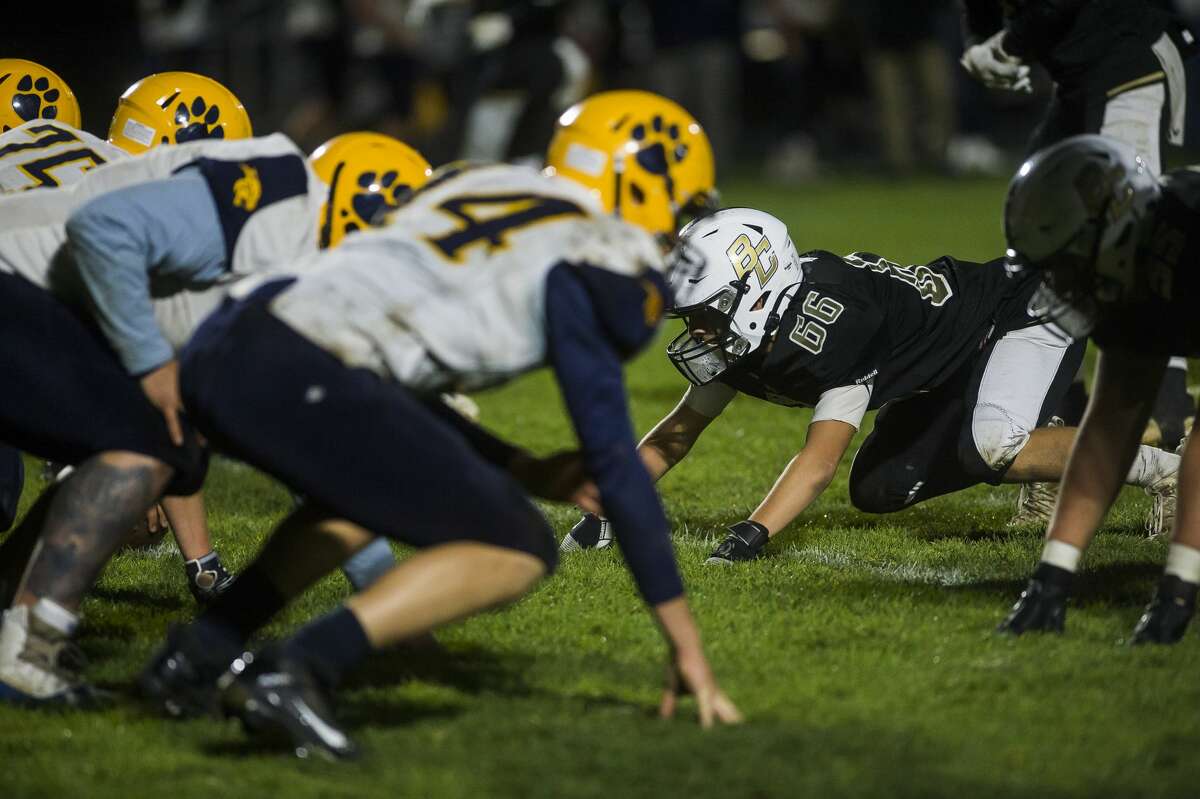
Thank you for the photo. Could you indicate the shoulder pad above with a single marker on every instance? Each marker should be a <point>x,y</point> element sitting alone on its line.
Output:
<point>822,266</point>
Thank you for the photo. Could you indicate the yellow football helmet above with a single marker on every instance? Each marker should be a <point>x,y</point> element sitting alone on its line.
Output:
<point>29,91</point>
<point>367,173</point>
<point>176,107</point>
<point>645,157</point>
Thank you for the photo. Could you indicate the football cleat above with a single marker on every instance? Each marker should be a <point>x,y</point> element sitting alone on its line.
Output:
<point>40,666</point>
<point>590,532</point>
<point>181,679</point>
<point>1042,606</point>
<point>278,700</point>
<point>1167,616</point>
<point>744,542</point>
<point>207,578</point>
<point>1161,518</point>
<point>1035,502</point>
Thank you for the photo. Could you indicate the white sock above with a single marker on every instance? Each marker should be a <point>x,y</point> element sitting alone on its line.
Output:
<point>1061,554</point>
<point>55,615</point>
<point>1183,562</point>
<point>1177,362</point>
<point>1150,465</point>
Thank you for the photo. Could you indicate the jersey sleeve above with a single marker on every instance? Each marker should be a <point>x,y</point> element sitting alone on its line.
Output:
<point>710,399</point>
<point>589,376</point>
<point>167,229</point>
<point>844,404</point>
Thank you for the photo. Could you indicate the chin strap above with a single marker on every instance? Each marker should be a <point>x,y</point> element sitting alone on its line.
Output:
<point>775,316</point>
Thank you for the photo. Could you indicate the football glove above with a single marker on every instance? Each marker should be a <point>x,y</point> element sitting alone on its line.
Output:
<point>744,542</point>
<point>590,532</point>
<point>988,63</point>
<point>1167,616</point>
<point>1042,605</point>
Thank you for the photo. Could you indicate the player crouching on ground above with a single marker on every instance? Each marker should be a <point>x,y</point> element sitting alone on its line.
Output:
<point>485,274</point>
<point>1117,251</point>
<point>147,261</point>
<point>43,149</point>
<point>963,372</point>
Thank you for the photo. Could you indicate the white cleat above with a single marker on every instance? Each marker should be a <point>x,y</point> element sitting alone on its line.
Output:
<point>39,665</point>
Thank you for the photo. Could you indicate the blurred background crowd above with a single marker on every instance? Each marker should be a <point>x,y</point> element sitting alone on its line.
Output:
<point>790,89</point>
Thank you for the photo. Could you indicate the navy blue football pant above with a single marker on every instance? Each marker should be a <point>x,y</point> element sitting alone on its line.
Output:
<point>71,396</point>
<point>356,445</point>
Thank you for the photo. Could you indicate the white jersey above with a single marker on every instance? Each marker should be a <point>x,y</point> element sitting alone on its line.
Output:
<point>450,293</point>
<point>45,153</point>
<point>33,225</point>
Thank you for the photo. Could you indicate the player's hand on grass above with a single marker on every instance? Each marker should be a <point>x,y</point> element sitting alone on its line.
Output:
<point>161,387</point>
<point>988,63</point>
<point>156,519</point>
<point>560,477</point>
<point>688,671</point>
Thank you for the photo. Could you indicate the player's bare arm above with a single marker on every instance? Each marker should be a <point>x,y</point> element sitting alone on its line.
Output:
<point>807,475</point>
<point>669,441</point>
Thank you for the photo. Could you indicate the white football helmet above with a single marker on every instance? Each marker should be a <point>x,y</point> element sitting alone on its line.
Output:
<point>1075,212</point>
<point>732,272</point>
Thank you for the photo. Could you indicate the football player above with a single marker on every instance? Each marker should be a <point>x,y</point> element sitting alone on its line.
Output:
<point>485,274</point>
<point>43,147</point>
<point>1116,249</point>
<point>1118,70</point>
<point>107,303</point>
<point>963,373</point>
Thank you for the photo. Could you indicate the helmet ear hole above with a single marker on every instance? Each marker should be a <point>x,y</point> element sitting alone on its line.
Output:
<point>636,192</point>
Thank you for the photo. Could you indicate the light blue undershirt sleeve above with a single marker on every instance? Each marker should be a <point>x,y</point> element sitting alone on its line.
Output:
<point>142,240</point>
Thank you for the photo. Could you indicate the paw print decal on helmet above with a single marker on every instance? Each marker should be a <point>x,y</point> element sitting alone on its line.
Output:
<point>35,99</point>
<point>376,195</point>
<point>660,149</point>
<point>197,121</point>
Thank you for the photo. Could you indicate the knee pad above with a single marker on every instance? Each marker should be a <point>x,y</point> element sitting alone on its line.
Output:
<point>993,442</point>
<point>871,494</point>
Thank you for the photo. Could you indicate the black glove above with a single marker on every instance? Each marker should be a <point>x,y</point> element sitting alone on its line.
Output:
<point>744,542</point>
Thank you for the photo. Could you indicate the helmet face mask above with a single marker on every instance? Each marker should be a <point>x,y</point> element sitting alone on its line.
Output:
<point>709,344</point>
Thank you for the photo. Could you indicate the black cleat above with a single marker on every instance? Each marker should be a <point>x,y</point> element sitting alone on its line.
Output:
<point>181,679</point>
<point>279,700</point>
<point>1043,604</point>
<point>590,532</point>
<point>1167,616</point>
<point>744,542</point>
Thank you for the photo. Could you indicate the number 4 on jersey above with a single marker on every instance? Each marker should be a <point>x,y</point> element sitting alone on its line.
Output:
<point>491,218</point>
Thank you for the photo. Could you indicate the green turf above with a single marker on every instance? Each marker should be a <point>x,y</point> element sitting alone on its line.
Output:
<point>860,650</point>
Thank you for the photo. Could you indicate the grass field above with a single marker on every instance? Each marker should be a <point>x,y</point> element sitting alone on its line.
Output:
<point>861,650</point>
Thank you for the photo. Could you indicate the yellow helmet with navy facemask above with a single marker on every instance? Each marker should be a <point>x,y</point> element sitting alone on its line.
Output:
<point>367,174</point>
<point>176,107</point>
<point>644,156</point>
<point>30,91</point>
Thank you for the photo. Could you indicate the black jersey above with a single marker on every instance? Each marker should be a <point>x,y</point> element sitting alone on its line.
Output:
<point>1073,39</point>
<point>865,320</point>
<point>1166,322</point>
